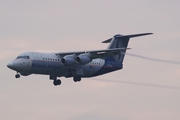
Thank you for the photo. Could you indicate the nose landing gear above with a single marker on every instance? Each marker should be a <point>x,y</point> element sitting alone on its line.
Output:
<point>17,75</point>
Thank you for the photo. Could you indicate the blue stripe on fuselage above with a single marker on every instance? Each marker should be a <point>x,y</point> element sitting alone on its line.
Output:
<point>45,67</point>
<point>54,67</point>
<point>46,64</point>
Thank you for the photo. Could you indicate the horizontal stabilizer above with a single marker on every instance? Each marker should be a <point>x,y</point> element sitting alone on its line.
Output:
<point>127,36</point>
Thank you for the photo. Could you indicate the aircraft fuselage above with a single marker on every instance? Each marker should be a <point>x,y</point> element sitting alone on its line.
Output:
<point>50,64</point>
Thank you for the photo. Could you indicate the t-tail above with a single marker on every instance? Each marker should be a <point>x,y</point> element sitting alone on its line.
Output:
<point>120,41</point>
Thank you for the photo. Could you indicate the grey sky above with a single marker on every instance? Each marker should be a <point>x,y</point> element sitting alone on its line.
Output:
<point>72,25</point>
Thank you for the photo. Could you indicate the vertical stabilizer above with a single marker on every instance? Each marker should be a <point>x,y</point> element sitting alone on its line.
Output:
<point>121,41</point>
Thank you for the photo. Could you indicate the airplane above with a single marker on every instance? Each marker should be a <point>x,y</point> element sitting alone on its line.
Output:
<point>82,64</point>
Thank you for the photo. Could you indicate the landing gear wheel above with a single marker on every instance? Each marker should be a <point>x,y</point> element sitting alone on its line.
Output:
<point>57,82</point>
<point>17,76</point>
<point>77,78</point>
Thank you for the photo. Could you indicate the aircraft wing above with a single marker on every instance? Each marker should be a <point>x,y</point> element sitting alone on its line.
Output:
<point>97,53</point>
<point>114,50</point>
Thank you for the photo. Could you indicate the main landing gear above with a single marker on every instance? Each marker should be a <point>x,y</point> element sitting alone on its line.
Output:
<point>56,81</point>
<point>17,75</point>
<point>77,78</point>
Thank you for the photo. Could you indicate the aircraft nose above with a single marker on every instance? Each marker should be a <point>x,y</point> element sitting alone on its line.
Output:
<point>10,65</point>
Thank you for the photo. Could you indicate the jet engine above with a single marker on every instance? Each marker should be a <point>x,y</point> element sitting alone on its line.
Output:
<point>68,60</point>
<point>83,59</point>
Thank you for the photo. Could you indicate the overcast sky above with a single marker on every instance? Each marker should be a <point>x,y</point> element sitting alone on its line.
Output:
<point>73,25</point>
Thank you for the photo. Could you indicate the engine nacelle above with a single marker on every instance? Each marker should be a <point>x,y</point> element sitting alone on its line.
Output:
<point>83,59</point>
<point>68,60</point>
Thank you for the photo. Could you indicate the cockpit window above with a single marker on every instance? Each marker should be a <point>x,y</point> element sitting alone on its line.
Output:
<point>23,57</point>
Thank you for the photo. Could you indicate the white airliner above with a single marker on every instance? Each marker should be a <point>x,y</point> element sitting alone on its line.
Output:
<point>74,64</point>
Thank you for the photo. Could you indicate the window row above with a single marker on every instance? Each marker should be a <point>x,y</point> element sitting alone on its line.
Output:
<point>51,59</point>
